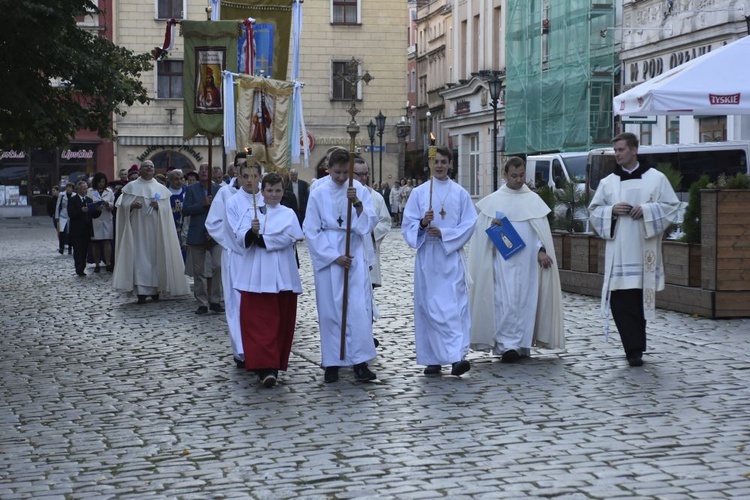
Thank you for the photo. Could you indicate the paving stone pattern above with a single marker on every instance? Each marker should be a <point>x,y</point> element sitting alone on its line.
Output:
<point>102,398</point>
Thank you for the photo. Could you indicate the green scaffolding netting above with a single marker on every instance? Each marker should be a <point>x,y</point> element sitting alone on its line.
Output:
<point>560,65</point>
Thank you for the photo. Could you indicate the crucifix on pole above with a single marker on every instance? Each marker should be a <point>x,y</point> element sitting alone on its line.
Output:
<point>352,77</point>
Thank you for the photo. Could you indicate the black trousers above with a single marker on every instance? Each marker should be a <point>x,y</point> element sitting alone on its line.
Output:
<point>80,251</point>
<point>627,310</point>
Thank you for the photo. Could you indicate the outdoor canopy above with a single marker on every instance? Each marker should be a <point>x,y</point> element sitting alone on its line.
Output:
<point>716,83</point>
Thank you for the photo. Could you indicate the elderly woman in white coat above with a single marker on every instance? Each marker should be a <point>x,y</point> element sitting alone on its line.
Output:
<point>61,214</point>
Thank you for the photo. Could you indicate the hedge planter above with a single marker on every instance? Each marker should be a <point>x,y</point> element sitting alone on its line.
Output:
<point>682,263</point>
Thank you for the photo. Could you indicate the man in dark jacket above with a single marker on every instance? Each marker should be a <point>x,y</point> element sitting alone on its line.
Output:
<point>81,227</point>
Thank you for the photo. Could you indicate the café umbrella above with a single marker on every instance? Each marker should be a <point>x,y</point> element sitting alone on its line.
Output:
<point>716,83</point>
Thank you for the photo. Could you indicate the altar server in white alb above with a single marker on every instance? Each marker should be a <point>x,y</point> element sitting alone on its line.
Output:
<point>267,277</point>
<point>441,302</point>
<point>325,232</point>
<point>632,208</point>
<point>515,303</point>
<point>218,227</point>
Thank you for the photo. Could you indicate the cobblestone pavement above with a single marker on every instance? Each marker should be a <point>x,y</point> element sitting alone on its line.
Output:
<point>102,398</point>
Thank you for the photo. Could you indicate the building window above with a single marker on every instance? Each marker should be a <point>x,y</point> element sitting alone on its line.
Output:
<point>470,176</point>
<point>647,130</point>
<point>673,129</point>
<point>168,9</point>
<point>169,79</point>
<point>713,129</point>
<point>341,90</point>
<point>345,12</point>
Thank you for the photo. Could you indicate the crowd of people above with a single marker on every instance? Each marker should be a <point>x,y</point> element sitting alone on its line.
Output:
<point>236,235</point>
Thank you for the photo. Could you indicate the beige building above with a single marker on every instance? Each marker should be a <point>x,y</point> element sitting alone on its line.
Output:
<point>333,33</point>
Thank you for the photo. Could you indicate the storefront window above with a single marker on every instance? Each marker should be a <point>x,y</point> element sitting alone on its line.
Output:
<point>673,130</point>
<point>713,128</point>
<point>78,162</point>
<point>14,172</point>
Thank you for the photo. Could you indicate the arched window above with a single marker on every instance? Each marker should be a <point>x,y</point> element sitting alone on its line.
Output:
<point>167,160</point>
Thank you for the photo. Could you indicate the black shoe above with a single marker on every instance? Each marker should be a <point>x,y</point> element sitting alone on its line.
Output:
<point>460,367</point>
<point>239,362</point>
<point>332,374</point>
<point>155,297</point>
<point>635,358</point>
<point>80,273</point>
<point>201,310</point>
<point>60,251</point>
<point>433,370</point>
<point>110,268</point>
<point>141,299</point>
<point>97,269</point>
<point>510,356</point>
<point>269,379</point>
<point>216,308</point>
<point>362,373</point>
<point>70,251</point>
<point>376,341</point>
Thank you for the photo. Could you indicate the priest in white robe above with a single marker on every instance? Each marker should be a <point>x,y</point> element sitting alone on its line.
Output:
<point>631,210</point>
<point>267,277</point>
<point>218,227</point>
<point>148,261</point>
<point>325,231</point>
<point>441,302</point>
<point>515,303</point>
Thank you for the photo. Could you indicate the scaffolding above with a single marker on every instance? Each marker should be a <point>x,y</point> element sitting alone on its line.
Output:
<point>559,76</point>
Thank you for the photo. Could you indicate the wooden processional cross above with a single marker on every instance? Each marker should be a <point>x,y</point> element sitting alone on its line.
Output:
<point>352,77</point>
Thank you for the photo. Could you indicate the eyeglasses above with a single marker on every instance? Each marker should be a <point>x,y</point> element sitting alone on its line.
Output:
<point>361,174</point>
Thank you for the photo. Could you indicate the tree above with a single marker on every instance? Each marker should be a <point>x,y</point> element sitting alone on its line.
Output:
<point>57,78</point>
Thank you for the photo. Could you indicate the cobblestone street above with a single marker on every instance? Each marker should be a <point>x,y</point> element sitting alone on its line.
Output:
<point>102,398</point>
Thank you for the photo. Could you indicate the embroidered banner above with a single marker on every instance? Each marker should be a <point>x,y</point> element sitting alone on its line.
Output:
<point>263,118</point>
<point>209,47</point>
<point>272,32</point>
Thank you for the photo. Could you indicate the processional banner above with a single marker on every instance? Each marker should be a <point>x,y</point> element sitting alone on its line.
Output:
<point>263,117</point>
<point>272,31</point>
<point>210,48</point>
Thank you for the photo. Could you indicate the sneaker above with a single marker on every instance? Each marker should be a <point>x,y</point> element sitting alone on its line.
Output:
<point>362,373</point>
<point>269,379</point>
<point>216,308</point>
<point>510,356</point>
<point>433,370</point>
<point>460,367</point>
<point>332,374</point>
<point>201,310</point>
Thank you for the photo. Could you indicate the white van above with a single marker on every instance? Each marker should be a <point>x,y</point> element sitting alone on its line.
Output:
<point>554,169</point>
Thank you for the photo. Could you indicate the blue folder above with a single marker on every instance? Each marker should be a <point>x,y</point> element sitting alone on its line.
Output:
<point>505,238</point>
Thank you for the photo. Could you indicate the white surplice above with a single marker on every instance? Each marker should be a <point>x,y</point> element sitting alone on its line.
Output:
<point>148,260</point>
<point>633,257</point>
<point>218,227</point>
<point>515,303</point>
<point>265,270</point>
<point>441,301</point>
<point>379,233</point>
<point>325,232</point>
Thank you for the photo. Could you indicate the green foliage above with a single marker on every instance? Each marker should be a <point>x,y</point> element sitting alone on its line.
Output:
<point>572,199</point>
<point>547,194</point>
<point>738,181</point>
<point>673,176</point>
<point>58,78</point>
<point>691,223</point>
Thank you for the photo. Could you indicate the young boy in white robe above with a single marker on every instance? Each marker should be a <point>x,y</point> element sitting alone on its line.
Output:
<point>516,302</point>
<point>268,278</point>
<point>631,209</point>
<point>441,301</point>
<point>325,228</point>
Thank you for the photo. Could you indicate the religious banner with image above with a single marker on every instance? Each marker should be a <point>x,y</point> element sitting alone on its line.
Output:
<point>263,117</point>
<point>271,32</point>
<point>209,48</point>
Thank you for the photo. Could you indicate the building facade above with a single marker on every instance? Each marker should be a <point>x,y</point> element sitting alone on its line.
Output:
<point>656,36</point>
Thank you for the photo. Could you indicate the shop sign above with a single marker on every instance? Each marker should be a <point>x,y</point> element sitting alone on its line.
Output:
<point>641,71</point>
<point>80,154</point>
<point>6,155</point>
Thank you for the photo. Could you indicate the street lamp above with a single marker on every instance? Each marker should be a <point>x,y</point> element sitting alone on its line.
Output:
<point>371,133</point>
<point>380,119</point>
<point>496,86</point>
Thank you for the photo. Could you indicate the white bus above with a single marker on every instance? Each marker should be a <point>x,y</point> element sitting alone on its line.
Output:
<point>690,160</point>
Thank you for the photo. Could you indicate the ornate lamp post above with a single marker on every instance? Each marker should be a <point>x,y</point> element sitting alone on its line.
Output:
<point>496,85</point>
<point>380,119</point>
<point>371,132</point>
